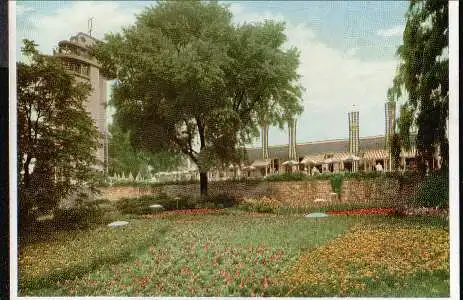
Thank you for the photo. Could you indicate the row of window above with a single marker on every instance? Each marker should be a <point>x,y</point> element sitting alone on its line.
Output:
<point>68,50</point>
<point>80,68</point>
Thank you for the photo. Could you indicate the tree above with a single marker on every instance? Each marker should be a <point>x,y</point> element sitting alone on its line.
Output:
<point>423,74</point>
<point>57,138</point>
<point>189,81</point>
<point>395,146</point>
<point>123,158</point>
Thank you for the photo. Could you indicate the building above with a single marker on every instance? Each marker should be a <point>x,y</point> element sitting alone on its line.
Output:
<point>342,155</point>
<point>77,61</point>
<point>352,154</point>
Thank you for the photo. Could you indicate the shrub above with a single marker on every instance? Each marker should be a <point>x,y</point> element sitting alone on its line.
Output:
<point>222,200</point>
<point>141,205</point>
<point>433,191</point>
<point>81,216</point>
<point>287,177</point>
<point>336,183</point>
<point>262,205</point>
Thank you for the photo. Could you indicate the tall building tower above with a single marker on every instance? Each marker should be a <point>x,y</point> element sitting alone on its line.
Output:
<point>292,138</point>
<point>354,139</point>
<point>78,62</point>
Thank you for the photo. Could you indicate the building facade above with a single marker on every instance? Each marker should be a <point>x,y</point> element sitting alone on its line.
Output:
<point>77,61</point>
<point>352,154</point>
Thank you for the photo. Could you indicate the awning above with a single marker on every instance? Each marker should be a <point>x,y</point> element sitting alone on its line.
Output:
<point>290,163</point>
<point>249,168</point>
<point>375,154</point>
<point>261,163</point>
<point>330,160</point>
<point>351,157</point>
<point>315,159</point>
<point>408,154</point>
<point>339,156</point>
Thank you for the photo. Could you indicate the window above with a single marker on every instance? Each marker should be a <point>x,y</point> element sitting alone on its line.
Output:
<point>85,70</point>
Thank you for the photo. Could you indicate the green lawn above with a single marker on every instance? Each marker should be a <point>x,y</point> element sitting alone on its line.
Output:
<point>241,254</point>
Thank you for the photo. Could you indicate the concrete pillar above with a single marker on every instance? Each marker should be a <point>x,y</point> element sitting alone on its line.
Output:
<point>354,137</point>
<point>292,139</point>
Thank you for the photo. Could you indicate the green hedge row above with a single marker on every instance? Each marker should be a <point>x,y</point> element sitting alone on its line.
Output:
<point>141,205</point>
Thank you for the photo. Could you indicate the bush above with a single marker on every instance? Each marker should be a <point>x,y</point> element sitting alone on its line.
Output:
<point>141,205</point>
<point>433,191</point>
<point>287,177</point>
<point>221,201</point>
<point>262,205</point>
<point>336,183</point>
<point>82,216</point>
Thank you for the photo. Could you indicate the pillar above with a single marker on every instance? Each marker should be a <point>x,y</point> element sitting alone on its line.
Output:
<point>354,138</point>
<point>292,139</point>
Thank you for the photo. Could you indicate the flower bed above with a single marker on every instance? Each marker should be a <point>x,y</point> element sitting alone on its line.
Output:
<point>364,211</point>
<point>425,211</point>
<point>184,212</point>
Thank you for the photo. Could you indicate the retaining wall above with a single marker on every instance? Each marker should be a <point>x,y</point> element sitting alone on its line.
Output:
<point>384,191</point>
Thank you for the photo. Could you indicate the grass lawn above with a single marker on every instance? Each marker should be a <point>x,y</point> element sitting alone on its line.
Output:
<point>242,254</point>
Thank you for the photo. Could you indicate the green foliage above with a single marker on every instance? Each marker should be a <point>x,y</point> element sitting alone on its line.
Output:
<point>261,205</point>
<point>56,135</point>
<point>423,74</point>
<point>336,183</point>
<point>141,205</point>
<point>404,124</point>
<point>186,74</point>
<point>287,177</point>
<point>123,158</point>
<point>83,216</point>
<point>220,201</point>
<point>433,191</point>
<point>396,148</point>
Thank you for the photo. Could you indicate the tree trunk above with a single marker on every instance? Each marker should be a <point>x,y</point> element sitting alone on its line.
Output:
<point>203,184</point>
<point>202,174</point>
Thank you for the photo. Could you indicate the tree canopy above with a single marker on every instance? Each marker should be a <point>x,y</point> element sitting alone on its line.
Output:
<point>423,75</point>
<point>57,138</point>
<point>190,81</point>
<point>123,158</point>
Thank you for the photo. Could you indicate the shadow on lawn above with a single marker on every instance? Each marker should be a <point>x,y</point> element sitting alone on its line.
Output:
<point>78,271</point>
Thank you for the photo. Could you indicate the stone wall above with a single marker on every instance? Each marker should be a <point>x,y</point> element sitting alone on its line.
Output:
<point>384,191</point>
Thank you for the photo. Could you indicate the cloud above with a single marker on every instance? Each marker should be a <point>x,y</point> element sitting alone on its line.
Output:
<point>334,80</point>
<point>395,31</point>
<point>48,30</point>
<point>22,9</point>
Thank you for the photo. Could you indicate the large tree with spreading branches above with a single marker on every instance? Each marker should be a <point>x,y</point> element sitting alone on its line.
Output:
<point>422,76</point>
<point>190,81</point>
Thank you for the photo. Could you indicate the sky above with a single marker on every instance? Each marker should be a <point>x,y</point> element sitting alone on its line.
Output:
<point>347,51</point>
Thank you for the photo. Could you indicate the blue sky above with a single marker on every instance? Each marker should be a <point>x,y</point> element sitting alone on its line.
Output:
<point>347,50</point>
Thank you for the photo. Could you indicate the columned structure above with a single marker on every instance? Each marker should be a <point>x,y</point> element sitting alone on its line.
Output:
<point>354,139</point>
